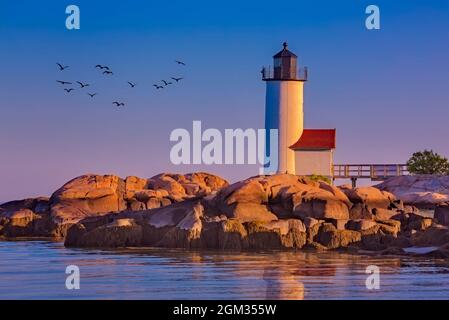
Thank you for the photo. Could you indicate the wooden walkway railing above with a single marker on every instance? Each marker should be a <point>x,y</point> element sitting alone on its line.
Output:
<point>375,172</point>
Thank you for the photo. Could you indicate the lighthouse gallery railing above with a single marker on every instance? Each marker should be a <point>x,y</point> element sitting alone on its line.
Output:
<point>268,73</point>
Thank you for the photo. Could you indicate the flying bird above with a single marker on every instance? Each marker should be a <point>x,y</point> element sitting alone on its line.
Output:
<point>132,84</point>
<point>180,62</point>
<point>102,67</point>
<point>63,82</point>
<point>107,72</point>
<point>68,90</point>
<point>157,86</point>
<point>92,94</point>
<point>83,84</point>
<point>61,67</point>
<point>166,83</point>
<point>118,104</point>
<point>177,79</point>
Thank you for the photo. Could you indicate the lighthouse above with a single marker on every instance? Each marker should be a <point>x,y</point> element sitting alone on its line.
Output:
<point>284,105</point>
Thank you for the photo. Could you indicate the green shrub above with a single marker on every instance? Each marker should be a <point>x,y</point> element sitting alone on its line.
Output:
<point>428,162</point>
<point>318,177</point>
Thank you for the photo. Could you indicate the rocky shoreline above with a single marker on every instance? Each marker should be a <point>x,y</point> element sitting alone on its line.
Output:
<point>204,211</point>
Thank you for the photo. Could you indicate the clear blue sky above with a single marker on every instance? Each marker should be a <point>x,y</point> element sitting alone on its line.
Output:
<point>385,91</point>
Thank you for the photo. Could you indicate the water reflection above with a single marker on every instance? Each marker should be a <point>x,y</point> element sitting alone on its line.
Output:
<point>37,270</point>
<point>282,285</point>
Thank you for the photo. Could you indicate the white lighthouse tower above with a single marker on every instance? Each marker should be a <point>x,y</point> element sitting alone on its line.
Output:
<point>284,105</point>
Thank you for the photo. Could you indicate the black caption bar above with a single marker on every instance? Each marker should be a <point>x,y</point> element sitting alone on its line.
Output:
<point>210,309</point>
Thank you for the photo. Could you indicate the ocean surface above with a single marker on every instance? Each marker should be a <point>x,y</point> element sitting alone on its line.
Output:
<point>37,270</point>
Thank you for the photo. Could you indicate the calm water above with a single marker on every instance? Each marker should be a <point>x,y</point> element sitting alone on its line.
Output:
<point>36,269</point>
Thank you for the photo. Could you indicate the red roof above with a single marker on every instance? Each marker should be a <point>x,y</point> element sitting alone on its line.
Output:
<point>315,139</point>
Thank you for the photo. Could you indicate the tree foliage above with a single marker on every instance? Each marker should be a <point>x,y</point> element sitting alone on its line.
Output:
<point>428,162</point>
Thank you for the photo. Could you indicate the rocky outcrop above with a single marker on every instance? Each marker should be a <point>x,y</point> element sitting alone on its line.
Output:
<point>266,212</point>
<point>95,195</point>
<point>203,211</point>
<point>418,190</point>
<point>184,225</point>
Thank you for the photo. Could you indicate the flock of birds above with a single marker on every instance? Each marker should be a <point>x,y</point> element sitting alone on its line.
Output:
<point>108,72</point>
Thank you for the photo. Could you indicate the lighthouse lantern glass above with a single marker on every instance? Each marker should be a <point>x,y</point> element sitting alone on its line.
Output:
<point>285,67</point>
<point>277,62</point>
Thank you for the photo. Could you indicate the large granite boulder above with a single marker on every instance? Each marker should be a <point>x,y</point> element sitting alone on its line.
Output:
<point>25,218</point>
<point>360,224</point>
<point>282,196</point>
<point>173,226</point>
<point>85,196</point>
<point>93,193</point>
<point>360,211</point>
<point>442,213</point>
<point>434,236</point>
<point>418,190</point>
<point>180,187</point>
<point>332,238</point>
<point>369,196</point>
